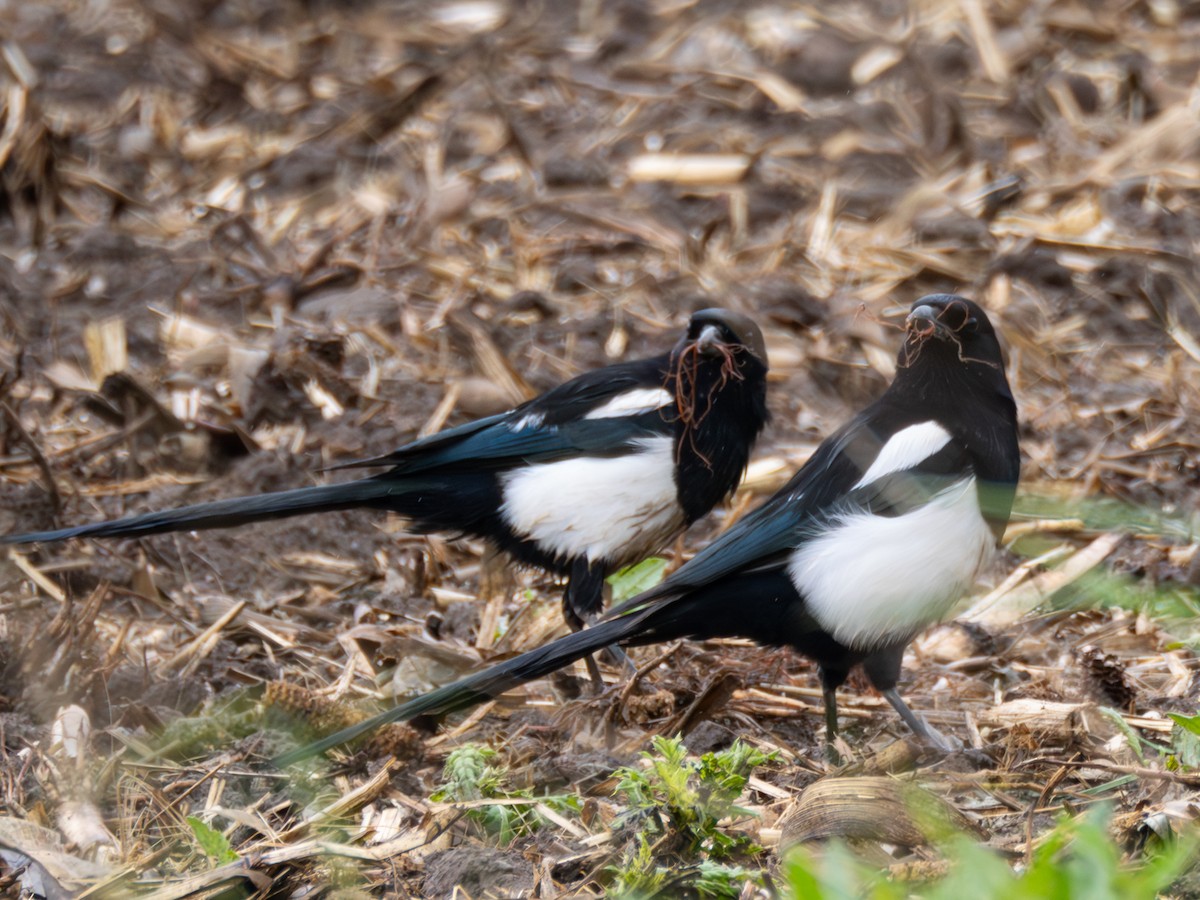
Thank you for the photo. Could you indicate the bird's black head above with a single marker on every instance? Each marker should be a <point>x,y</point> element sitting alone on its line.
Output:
<point>716,331</point>
<point>949,333</point>
<point>951,371</point>
<point>718,376</point>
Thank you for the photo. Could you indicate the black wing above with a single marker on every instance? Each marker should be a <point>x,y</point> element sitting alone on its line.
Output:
<point>574,399</point>
<point>550,426</point>
<point>764,537</point>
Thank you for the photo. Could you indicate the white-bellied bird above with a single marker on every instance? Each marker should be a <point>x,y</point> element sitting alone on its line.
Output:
<point>592,475</point>
<point>873,539</point>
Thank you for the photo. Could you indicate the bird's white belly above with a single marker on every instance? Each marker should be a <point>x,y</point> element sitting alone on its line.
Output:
<point>872,580</point>
<point>618,509</point>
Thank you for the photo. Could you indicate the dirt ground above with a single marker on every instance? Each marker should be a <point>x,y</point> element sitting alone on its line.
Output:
<point>243,241</point>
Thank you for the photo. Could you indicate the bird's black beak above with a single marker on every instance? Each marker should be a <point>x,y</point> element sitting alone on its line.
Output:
<point>708,341</point>
<point>923,322</point>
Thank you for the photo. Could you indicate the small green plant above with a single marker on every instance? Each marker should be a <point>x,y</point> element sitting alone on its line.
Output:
<point>690,797</point>
<point>641,877</point>
<point>1183,752</point>
<point>212,842</point>
<point>1078,859</point>
<point>678,805</point>
<point>1185,742</point>
<point>220,723</point>
<point>468,777</point>
<point>1138,744</point>
<point>639,874</point>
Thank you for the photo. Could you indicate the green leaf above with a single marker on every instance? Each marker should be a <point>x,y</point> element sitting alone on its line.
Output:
<point>719,880</point>
<point>212,842</point>
<point>633,580</point>
<point>1185,740</point>
<point>1189,723</point>
<point>467,774</point>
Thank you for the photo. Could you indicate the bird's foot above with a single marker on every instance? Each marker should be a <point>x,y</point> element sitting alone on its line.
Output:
<point>972,759</point>
<point>934,739</point>
<point>837,752</point>
<point>594,673</point>
<point>616,656</point>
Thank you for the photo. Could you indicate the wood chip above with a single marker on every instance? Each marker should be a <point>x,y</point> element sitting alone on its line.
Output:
<point>693,168</point>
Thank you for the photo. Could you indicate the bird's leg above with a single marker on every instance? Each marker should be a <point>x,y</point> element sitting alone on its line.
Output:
<point>574,621</point>
<point>581,605</point>
<point>584,597</point>
<point>594,674</point>
<point>919,726</point>
<point>829,695</point>
<point>571,604</point>
<point>831,680</point>
<point>883,669</point>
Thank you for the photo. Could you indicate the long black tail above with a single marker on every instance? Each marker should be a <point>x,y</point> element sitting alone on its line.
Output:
<point>228,513</point>
<point>766,609</point>
<point>487,684</point>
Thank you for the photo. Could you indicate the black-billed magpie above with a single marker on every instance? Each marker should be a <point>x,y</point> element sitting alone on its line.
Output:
<point>872,540</point>
<point>594,474</point>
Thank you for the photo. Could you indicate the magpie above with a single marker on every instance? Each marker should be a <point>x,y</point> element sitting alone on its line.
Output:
<point>592,475</point>
<point>873,539</point>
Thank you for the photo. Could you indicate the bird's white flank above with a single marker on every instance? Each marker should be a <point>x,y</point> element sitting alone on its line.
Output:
<point>617,508</point>
<point>873,580</point>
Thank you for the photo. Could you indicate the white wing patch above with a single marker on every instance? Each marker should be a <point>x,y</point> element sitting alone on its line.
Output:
<point>617,509</point>
<point>873,579</point>
<point>632,403</point>
<point>906,449</point>
<point>529,420</point>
